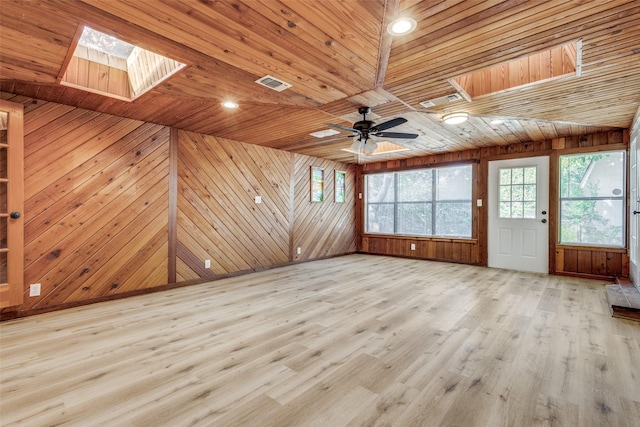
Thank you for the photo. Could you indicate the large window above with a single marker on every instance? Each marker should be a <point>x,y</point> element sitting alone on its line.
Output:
<point>423,202</point>
<point>592,199</point>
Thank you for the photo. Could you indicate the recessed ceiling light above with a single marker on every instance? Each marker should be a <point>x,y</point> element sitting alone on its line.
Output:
<point>229,104</point>
<point>455,118</point>
<point>401,26</point>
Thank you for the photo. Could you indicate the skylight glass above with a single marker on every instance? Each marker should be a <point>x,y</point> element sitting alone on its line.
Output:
<point>105,43</point>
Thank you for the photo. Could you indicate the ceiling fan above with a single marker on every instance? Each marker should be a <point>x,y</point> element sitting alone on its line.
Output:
<point>364,129</point>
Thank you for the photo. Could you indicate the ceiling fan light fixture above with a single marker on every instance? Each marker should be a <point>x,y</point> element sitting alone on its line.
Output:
<point>401,26</point>
<point>229,104</point>
<point>455,118</point>
<point>370,147</point>
<point>355,147</point>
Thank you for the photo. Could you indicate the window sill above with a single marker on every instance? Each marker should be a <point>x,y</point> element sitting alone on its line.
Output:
<point>615,249</point>
<point>422,238</point>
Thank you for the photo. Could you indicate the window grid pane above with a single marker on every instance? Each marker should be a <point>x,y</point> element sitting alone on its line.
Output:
<point>517,192</point>
<point>405,202</point>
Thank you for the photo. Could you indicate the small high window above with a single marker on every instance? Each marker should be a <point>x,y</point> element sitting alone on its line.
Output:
<point>103,64</point>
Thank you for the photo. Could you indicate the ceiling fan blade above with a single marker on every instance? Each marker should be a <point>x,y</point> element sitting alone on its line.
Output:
<point>396,135</point>
<point>342,127</point>
<point>389,124</point>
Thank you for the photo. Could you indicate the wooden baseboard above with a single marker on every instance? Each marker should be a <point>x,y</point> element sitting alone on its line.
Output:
<point>421,258</point>
<point>10,315</point>
<point>584,276</point>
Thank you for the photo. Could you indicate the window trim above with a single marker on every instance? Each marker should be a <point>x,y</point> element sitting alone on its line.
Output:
<point>624,198</point>
<point>433,202</point>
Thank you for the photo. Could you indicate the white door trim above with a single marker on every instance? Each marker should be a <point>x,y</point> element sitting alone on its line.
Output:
<point>519,244</point>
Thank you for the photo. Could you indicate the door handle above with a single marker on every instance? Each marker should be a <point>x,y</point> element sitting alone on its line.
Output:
<point>636,212</point>
<point>544,221</point>
<point>15,215</point>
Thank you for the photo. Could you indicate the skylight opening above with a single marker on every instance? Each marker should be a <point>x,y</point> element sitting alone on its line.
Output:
<point>105,43</point>
<point>549,64</point>
<point>106,65</point>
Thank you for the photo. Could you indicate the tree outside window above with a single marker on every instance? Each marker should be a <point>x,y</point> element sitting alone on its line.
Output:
<point>592,199</point>
<point>422,202</point>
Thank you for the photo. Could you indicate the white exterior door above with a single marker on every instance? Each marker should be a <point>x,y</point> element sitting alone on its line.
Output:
<point>518,207</point>
<point>634,217</point>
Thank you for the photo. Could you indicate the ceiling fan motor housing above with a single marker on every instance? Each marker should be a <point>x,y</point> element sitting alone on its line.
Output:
<point>363,125</point>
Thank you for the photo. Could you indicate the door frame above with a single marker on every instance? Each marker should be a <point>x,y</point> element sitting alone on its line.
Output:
<point>12,293</point>
<point>551,162</point>
<point>634,206</point>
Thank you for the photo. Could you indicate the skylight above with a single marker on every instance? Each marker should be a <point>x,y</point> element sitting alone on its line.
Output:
<point>105,43</point>
<point>549,64</point>
<point>108,66</point>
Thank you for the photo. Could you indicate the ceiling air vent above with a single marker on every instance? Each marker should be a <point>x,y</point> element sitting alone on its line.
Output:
<point>442,100</point>
<point>273,83</point>
<point>427,104</point>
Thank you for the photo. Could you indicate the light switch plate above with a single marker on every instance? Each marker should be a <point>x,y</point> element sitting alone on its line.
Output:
<point>34,290</point>
<point>479,202</point>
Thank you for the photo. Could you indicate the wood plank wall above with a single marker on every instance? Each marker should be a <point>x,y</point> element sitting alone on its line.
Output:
<point>563,259</point>
<point>327,227</point>
<point>98,220</point>
<point>218,218</point>
<point>95,204</point>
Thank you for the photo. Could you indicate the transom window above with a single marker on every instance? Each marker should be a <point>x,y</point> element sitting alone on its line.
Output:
<point>422,202</point>
<point>518,192</point>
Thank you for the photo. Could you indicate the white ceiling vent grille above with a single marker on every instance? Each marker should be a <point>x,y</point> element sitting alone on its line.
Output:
<point>273,83</point>
<point>442,101</point>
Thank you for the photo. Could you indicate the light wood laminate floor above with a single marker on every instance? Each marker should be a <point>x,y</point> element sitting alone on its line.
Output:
<point>351,341</point>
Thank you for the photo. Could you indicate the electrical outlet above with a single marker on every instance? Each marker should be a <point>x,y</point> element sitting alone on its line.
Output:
<point>299,251</point>
<point>413,246</point>
<point>258,199</point>
<point>34,290</point>
<point>207,263</point>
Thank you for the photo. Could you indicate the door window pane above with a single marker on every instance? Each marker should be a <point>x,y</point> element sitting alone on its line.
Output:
<point>3,232</point>
<point>3,267</point>
<point>517,192</point>
<point>3,162</point>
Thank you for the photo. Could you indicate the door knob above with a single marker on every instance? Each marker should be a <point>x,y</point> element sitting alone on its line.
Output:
<point>544,221</point>
<point>15,215</point>
<point>544,212</point>
<point>636,212</point>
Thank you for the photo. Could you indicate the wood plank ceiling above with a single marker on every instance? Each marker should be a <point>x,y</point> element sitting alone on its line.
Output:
<point>338,56</point>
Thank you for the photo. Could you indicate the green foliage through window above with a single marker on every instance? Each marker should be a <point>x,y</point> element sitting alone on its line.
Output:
<point>423,202</point>
<point>592,199</point>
